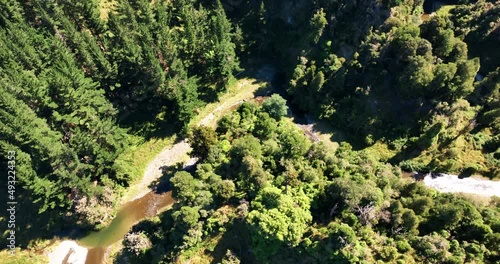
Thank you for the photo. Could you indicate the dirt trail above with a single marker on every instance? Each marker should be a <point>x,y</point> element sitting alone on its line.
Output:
<point>171,155</point>
<point>210,118</point>
<point>179,152</point>
<point>167,157</point>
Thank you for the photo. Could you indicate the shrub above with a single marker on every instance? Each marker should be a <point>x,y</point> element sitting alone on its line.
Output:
<point>202,138</point>
<point>230,258</point>
<point>136,243</point>
<point>275,106</point>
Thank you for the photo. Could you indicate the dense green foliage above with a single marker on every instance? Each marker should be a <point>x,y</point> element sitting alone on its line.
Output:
<point>376,71</point>
<point>277,198</point>
<point>80,84</point>
<point>75,86</point>
<point>275,106</point>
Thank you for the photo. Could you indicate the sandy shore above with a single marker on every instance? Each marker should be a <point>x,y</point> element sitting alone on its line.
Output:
<point>179,152</point>
<point>168,157</point>
<point>68,251</point>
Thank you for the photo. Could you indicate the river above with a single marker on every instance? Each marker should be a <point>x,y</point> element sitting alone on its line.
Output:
<point>153,203</point>
<point>129,214</point>
<point>452,183</point>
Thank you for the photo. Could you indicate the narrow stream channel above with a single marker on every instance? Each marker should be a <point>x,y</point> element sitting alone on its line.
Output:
<point>129,214</point>
<point>153,203</point>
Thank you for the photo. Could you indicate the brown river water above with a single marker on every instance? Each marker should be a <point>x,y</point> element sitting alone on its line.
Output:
<point>129,214</point>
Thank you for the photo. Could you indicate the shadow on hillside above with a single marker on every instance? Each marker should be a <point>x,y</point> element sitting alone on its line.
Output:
<point>31,225</point>
<point>236,239</point>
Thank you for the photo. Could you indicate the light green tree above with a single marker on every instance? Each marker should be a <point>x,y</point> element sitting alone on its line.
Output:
<point>275,106</point>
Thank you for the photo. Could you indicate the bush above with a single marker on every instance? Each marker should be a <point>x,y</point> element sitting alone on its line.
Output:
<point>201,139</point>
<point>397,144</point>
<point>275,106</point>
<point>471,169</point>
<point>94,210</point>
<point>230,258</point>
<point>412,165</point>
<point>136,243</point>
<point>403,246</point>
<point>492,144</point>
<point>479,140</point>
<point>369,140</point>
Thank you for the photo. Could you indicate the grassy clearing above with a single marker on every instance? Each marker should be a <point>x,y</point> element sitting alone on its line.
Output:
<point>22,257</point>
<point>459,151</point>
<point>467,155</point>
<point>106,6</point>
<point>380,151</point>
<point>477,200</point>
<point>238,91</point>
<point>136,158</point>
<point>329,134</point>
<point>445,10</point>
